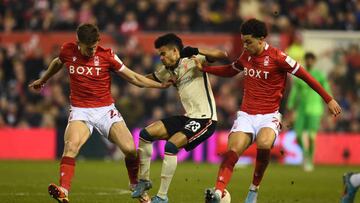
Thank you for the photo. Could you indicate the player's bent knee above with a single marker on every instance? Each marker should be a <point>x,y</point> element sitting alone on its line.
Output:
<point>265,144</point>
<point>145,135</point>
<point>71,149</point>
<point>129,151</point>
<point>171,148</point>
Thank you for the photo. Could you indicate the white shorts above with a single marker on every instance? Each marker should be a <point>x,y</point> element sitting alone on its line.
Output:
<point>253,123</point>
<point>101,118</point>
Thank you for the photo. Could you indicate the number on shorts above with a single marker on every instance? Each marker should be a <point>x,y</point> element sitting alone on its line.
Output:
<point>193,126</point>
<point>113,113</point>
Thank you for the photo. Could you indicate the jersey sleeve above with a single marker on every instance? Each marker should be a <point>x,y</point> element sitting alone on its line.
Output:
<point>191,64</point>
<point>118,65</point>
<point>161,74</point>
<point>286,63</point>
<point>115,62</point>
<point>202,59</point>
<point>228,70</point>
<point>65,51</point>
<point>289,65</point>
<point>324,82</point>
<point>237,65</point>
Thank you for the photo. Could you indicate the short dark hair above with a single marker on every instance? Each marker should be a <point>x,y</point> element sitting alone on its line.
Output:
<point>88,33</point>
<point>254,27</point>
<point>310,55</point>
<point>169,39</point>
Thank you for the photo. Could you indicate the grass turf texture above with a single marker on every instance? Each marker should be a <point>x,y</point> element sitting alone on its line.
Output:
<point>100,181</point>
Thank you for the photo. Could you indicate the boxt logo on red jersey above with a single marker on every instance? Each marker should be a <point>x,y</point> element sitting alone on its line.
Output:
<point>84,70</point>
<point>256,73</point>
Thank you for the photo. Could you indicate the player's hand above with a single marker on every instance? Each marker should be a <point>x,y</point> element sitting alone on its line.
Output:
<point>334,107</point>
<point>170,82</point>
<point>37,84</point>
<point>189,51</point>
<point>198,64</point>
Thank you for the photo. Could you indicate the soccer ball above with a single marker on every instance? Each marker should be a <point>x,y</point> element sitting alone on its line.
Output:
<point>226,197</point>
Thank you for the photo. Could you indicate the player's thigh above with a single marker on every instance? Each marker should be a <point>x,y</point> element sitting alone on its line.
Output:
<point>76,134</point>
<point>179,139</point>
<point>265,138</point>
<point>158,131</point>
<point>122,137</point>
<point>239,141</point>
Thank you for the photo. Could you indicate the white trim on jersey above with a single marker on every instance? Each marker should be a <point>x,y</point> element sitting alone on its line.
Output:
<point>120,62</point>
<point>296,69</point>
<point>234,67</point>
<point>290,61</point>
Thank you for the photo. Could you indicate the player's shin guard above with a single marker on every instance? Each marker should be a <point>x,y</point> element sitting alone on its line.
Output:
<point>168,168</point>
<point>226,170</point>
<point>145,153</point>
<point>132,166</point>
<point>67,168</point>
<point>262,161</point>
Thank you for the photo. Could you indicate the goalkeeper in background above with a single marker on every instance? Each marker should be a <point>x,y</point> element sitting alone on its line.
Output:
<point>309,110</point>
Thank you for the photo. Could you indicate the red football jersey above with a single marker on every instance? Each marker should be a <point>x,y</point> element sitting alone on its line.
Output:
<point>264,79</point>
<point>90,78</point>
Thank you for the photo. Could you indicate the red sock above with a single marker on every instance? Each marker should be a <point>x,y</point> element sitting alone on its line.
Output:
<point>67,168</point>
<point>262,161</point>
<point>132,166</point>
<point>226,170</point>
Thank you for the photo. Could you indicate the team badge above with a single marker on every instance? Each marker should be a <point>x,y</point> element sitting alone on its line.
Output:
<point>266,60</point>
<point>96,61</point>
<point>74,58</point>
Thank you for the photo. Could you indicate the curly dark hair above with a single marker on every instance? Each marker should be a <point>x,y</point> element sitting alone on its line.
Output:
<point>88,33</point>
<point>254,27</point>
<point>169,39</point>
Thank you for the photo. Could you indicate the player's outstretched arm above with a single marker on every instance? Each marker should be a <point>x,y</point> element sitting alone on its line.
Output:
<point>53,68</point>
<point>333,106</point>
<point>223,70</point>
<point>140,80</point>
<point>211,54</point>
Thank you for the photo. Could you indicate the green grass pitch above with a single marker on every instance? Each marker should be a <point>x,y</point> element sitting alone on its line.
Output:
<point>100,181</point>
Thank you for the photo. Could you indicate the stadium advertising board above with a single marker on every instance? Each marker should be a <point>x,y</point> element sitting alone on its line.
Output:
<point>330,149</point>
<point>30,144</point>
<point>338,149</point>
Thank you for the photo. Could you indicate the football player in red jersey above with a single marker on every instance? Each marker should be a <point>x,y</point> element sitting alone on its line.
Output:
<point>89,66</point>
<point>265,70</point>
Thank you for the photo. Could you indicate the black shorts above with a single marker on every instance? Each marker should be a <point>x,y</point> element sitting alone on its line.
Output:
<point>196,130</point>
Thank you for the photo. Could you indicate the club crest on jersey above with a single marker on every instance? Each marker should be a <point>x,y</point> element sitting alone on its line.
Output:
<point>74,58</point>
<point>266,60</point>
<point>96,61</point>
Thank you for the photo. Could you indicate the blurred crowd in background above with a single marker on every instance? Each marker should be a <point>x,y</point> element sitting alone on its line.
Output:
<point>128,16</point>
<point>21,107</point>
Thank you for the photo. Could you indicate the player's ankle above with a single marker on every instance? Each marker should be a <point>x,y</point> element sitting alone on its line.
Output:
<point>217,191</point>
<point>64,190</point>
<point>254,187</point>
<point>162,196</point>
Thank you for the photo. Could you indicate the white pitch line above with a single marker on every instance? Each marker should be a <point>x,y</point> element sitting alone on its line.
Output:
<point>115,192</point>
